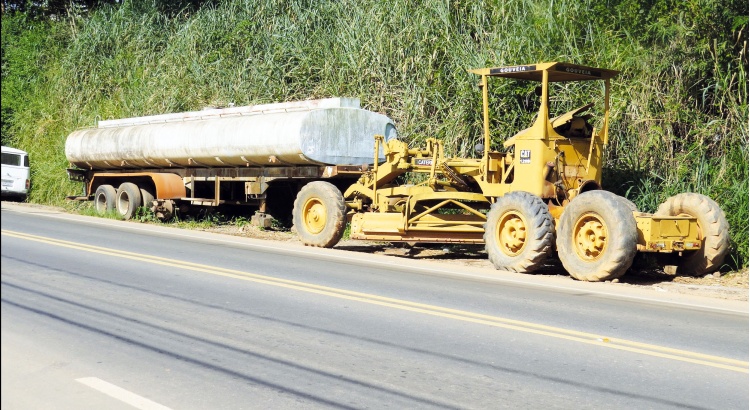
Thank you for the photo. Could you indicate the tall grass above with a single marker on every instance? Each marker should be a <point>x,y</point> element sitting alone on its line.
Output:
<point>679,115</point>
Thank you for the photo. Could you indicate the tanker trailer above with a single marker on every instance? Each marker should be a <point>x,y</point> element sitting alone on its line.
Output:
<point>260,156</point>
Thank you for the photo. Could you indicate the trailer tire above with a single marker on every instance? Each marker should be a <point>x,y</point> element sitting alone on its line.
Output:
<point>519,232</point>
<point>128,200</point>
<point>147,198</point>
<point>319,214</point>
<point>597,236</point>
<point>713,231</point>
<point>104,199</point>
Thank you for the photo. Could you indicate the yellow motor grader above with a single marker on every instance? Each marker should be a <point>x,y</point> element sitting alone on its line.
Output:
<point>541,193</point>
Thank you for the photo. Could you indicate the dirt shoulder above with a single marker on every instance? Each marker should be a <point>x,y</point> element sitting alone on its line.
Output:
<point>725,285</point>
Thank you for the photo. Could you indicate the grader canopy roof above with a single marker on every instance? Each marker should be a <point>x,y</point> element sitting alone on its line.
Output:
<point>558,72</point>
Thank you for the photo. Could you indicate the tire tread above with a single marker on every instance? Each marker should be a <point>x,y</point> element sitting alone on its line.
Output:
<point>715,231</point>
<point>622,244</point>
<point>540,224</point>
<point>335,205</point>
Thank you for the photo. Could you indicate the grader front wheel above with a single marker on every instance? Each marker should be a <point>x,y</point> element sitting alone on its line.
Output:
<point>597,237</point>
<point>319,214</point>
<point>713,227</point>
<point>518,234</point>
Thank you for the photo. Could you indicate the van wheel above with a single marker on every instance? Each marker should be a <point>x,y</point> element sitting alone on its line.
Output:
<point>104,199</point>
<point>319,214</point>
<point>128,200</point>
<point>597,236</point>
<point>519,232</point>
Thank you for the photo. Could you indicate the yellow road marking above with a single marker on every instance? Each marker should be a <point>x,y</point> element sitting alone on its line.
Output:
<point>466,316</point>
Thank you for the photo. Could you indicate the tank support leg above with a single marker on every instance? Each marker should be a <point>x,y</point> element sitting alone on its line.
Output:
<point>261,219</point>
<point>217,192</point>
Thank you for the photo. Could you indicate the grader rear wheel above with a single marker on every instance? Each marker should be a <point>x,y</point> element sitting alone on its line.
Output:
<point>628,203</point>
<point>597,236</point>
<point>319,214</point>
<point>713,227</point>
<point>519,233</point>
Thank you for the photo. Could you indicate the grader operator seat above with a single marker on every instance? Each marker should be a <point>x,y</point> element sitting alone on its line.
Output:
<point>577,127</point>
<point>574,124</point>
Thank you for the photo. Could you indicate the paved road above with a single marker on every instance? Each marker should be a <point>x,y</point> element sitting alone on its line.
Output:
<point>107,314</point>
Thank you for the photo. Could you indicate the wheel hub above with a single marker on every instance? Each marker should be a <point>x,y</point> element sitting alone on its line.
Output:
<point>590,236</point>
<point>512,233</point>
<point>101,204</point>
<point>314,216</point>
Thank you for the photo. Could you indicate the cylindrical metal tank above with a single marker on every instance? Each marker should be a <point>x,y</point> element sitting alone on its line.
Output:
<point>316,132</point>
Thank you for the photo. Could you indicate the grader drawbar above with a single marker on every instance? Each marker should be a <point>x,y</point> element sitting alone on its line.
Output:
<point>542,193</point>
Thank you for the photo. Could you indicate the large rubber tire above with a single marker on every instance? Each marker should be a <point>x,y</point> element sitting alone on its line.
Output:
<point>128,200</point>
<point>713,231</point>
<point>519,232</point>
<point>104,199</point>
<point>147,198</point>
<point>597,236</point>
<point>319,214</point>
<point>628,203</point>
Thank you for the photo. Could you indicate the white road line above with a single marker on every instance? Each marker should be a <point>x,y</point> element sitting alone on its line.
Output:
<point>121,394</point>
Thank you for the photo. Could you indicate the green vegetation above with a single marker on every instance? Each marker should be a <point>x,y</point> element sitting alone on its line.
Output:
<point>680,106</point>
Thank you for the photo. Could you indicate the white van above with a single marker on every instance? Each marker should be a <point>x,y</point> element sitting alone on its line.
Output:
<point>15,173</point>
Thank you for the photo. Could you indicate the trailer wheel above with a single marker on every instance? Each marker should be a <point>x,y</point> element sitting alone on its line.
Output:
<point>320,214</point>
<point>597,236</point>
<point>713,231</point>
<point>147,198</point>
<point>128,199</point>
<point>104,199</point>
<point>519,232</point>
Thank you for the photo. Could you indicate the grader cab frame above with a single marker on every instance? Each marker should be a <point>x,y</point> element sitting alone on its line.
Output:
<point>542,193</point>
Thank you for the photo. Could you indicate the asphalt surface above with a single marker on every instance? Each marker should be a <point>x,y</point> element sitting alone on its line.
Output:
<point>108,314</point>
